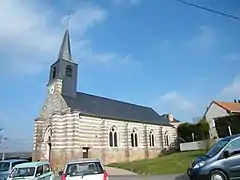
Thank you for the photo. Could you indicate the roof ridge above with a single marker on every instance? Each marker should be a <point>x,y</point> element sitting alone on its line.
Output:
<point>226,102</point>
<point>115,100</point>
<point>230,106</point>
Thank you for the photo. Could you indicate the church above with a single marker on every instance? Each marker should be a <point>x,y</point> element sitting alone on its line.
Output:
<point>73,125</point>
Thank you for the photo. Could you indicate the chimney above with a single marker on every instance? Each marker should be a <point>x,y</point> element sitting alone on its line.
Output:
<point>235,101</point>
<point>170,117</point>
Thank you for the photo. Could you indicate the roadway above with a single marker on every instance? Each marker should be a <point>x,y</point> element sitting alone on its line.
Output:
<point>157,177</point>
<point>137,177</point>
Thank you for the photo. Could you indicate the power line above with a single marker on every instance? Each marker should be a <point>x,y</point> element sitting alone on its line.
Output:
<point>208,9</point>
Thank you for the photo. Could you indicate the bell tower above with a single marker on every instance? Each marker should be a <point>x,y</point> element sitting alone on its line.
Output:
<point>65,69</point>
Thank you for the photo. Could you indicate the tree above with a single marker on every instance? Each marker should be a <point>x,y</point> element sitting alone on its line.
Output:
<point>199,129</point>
<point>196,120</point>
<point>185,132</point>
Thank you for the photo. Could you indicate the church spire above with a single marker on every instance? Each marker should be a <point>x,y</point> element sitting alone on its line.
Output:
<point>65,69</point>
<point>65,51</point>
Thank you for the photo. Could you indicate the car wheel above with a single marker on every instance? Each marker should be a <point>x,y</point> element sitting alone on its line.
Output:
<point>217,175</point>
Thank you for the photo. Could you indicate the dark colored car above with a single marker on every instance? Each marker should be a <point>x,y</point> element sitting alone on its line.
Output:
<point>221,162</point>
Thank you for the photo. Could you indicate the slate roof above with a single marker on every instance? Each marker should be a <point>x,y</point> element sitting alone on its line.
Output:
<point>165,116</point>
<point>108,108</point>
<point>65,50</point>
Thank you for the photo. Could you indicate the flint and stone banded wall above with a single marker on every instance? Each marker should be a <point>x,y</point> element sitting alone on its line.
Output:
<point>36,140</point>
<point>70,132</point>
<point>53,103</point>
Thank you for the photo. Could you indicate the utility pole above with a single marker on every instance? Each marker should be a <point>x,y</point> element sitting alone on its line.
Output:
<point>4,148</point>
<point>3,153</point>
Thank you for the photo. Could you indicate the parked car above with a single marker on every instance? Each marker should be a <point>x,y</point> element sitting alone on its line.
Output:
<point>86,169</point>
<point>32,170</point>
<point>221,162</point>
<point>7,165</point>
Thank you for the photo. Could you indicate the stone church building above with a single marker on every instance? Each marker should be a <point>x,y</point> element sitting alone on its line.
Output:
<point>75,125</point>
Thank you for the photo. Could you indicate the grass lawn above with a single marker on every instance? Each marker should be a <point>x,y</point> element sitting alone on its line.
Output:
<point>176,163</point>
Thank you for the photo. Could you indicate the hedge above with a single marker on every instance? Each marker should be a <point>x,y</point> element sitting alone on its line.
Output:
<point>222,125</point>
<point>200,130</point>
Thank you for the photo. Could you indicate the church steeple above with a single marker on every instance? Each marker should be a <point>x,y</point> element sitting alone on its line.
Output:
<point>65,69</point>
<point>65,51</point>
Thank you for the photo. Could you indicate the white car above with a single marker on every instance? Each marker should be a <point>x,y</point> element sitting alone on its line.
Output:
<point>33,171</point>
<point>84,169</point>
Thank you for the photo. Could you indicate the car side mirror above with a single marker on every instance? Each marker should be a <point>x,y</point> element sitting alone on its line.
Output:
<point>226,154</point>
<point>60,173</point>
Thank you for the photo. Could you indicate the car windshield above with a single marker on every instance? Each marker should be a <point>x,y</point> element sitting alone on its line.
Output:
<point>22,172</point>
<point>4,166</point>
<point>84,168</point>
<point>217,147</point>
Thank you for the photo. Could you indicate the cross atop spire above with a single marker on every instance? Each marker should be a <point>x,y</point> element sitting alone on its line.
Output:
<point>69,16</point>
<point>65,51</point>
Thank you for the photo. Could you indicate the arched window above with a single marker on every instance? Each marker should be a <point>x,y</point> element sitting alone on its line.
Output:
<point>166,138</point>
<point>69,71</point>
<point>152,138</point>
<point>134,138</point>
<point>54,72</point>
<point>113,137</point>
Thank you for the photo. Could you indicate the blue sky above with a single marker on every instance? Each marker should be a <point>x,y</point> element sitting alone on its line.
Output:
<point>158,53</point>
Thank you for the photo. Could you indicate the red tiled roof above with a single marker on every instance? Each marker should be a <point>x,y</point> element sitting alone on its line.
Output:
<point>230,106</point>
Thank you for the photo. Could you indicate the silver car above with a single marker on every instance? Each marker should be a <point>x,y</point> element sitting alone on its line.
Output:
<point>84,169</point>
<point>6,167</point>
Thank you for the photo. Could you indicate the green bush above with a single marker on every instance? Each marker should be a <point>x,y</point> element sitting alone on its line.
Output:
<point>200,130</point>
<point>222,125</point>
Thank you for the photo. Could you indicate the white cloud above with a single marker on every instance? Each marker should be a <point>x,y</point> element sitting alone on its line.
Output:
<point>24,31</point>
<point>133,2</point>
<point>86,17</point>
<point>107,59</point>
<point>232,57</point>
<point>165,45</point>
<point>129,2</point>
<point>232,90</point>
<point>205,39</point>
<point>30,38</point>
<point>177,102</point>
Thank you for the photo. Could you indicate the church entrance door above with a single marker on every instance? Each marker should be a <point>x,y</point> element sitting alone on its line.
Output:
<point>85,152</point>
<point>49,148</point>
<point>47,144</point>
